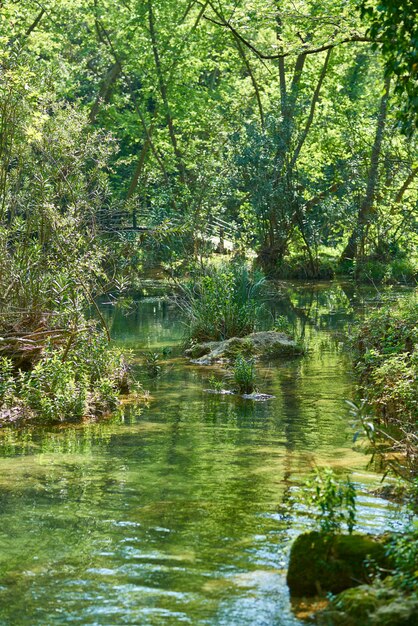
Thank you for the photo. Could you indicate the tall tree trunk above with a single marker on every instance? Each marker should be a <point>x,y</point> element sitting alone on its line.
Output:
<point>314,102</point>
<point>105,90</point>
<point>356,239</point>
<point>140,165</point>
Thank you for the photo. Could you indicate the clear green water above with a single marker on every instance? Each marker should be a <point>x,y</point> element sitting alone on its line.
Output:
<point>172,514</point>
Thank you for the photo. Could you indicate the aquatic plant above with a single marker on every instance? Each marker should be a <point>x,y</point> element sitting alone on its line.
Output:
<point>152,364</point>
<point>216,383</point>
<point>402,549</point>
<point>244,375</point>
<point>283,325</point>
<point>222,303</point>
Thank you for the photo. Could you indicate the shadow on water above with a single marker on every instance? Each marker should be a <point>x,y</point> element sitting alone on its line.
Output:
<point>171,513</point>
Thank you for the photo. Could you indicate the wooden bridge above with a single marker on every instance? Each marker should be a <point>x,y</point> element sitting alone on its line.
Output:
<point>220,233</point>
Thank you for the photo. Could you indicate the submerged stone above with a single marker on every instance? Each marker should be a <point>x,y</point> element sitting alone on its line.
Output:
<point>258,397</point>
<point>321,562</point>
<point>263,345</point>
<point>220,392</point>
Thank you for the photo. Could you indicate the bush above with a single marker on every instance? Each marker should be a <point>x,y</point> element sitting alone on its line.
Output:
<point>299,266</point>
<point>67,383</point>
<point>386,357</point>
<point>402,550</point>
<point>152,364</point>
<point>333,500</point>
<point>283,325</point>
<point>370,271</point>
<point>399,270</point>
<point>54,390</point>
<point>403,271</point>
<point>223,303</point>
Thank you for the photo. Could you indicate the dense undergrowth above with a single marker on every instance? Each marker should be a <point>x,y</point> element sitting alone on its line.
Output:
<point>394,269</point>
<point>386,363</point>
<point>386,357</point>
<point>65,383</point>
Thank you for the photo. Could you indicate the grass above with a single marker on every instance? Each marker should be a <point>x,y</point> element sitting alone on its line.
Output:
<point>222,303</point>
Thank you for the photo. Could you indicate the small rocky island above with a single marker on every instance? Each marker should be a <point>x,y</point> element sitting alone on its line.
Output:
<point>267,345</point>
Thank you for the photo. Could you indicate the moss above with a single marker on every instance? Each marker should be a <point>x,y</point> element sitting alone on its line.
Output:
<point>333,563</point>
<point>379,604</point>
<point>263,345</point>
<point>239,347</point>
<point>358,602</point>
<point>402,612</point>
<point>200,349</point>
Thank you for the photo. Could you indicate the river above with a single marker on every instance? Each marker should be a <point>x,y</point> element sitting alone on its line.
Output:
<point>177,512</point>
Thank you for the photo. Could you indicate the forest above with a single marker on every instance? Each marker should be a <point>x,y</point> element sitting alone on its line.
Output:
<point>209,312</point>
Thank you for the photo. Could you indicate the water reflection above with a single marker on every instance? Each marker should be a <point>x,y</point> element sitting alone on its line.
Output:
<point>170,514</point>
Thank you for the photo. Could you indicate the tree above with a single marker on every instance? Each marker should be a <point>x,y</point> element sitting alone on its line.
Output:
<point>393,26</point>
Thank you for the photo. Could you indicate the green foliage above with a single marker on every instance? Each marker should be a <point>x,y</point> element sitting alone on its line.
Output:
<point>7,382</point>
<point>403,553</point>
<point>223,302</point>
<point>54,391</point>
<point>244,375</point>
<point>216,383</point>
<point>69,382</point>
<point>68,385</point>
<point>152,364</point>
<point>387,365</point>
<point>333,499</point>
<point>397,270</point>
<point>283,325</point>
<point>393,25</point>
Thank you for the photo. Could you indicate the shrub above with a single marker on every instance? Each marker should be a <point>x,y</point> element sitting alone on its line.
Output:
<point>223,303</point>
<point>152,364</point>
<point>283,325</point>
<point>54,390</point>
<point>216,383</point>
<point>370,271</point>
<point>398,270</point>
<point>334,500</point>
<point>386,357</point>
<point>68,383</point>
<point>403,551</point>
<point>403,271</point>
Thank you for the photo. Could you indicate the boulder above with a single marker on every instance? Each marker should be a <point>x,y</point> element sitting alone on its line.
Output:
<point>267,345</point>
<point>380,604</point>
<point>320,562</point>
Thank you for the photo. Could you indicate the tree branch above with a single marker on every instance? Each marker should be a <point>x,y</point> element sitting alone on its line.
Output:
<point>305,49</point>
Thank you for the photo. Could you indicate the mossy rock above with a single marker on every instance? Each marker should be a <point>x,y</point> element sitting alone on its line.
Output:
<point>238,346</point>
<point>321,562</point>
<point>266,345</point>
<point>401,612</point>
<point>371,605</point>
<point>200,349</point>
<point>358,602</point>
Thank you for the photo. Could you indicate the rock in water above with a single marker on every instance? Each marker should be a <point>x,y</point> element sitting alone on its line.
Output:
<point>267,345</point>
<point>380,604</point>
<point>321,562</point>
